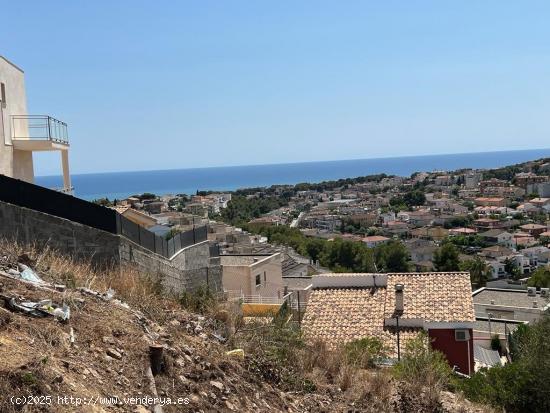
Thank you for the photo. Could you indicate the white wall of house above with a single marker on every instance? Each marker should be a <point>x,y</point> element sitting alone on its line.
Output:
<point>263,277</point>
<point>15,103</point>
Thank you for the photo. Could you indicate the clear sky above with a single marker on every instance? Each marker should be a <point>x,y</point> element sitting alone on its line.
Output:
<point>161,85</point>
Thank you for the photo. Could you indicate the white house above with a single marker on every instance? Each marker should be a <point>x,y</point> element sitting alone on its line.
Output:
<point>22,134</point>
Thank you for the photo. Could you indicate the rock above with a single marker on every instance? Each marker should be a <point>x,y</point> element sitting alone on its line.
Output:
<point>94,373</point>
<point>230,405</point>
<point>108,340</point>
<point>174,323</point>
<point>58,379</point>
<point>141,409</point>
<point>114,354</point>
<point>218,385</point>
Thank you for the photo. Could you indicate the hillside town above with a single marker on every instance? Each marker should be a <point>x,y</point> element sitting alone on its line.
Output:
<point>504,221</point>
<point>426,293</point>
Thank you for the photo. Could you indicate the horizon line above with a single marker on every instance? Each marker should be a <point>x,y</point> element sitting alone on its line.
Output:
<point>301,162</point>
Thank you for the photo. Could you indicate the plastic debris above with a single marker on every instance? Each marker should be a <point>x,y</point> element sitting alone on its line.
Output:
<point>219,337</point>
<point>43,308</point>
<point>238,352</point>
<point>28,274</point>
<point>109,294</point>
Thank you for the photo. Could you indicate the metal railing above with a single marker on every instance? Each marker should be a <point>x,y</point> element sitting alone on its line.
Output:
<point>39,127</point>
<point>252,299</point>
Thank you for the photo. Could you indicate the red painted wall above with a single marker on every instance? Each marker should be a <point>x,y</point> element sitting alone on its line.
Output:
<point>455,351</point>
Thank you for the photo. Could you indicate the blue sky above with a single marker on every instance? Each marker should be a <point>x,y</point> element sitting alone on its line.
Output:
<point>161,85</point>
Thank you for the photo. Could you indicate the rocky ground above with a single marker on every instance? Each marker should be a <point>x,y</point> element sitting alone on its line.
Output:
<point>101,354</point>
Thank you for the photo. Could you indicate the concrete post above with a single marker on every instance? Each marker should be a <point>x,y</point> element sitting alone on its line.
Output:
<point>66,173</point>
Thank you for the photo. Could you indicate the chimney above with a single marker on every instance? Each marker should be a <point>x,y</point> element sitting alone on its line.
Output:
<point>399,307</point>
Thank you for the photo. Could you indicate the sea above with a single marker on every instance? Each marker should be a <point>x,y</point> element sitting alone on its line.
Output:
<point>118,185</point>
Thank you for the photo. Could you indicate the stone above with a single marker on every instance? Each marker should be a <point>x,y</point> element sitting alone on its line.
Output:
<point>230,406</point>
<point>218,385</point>
<point>114,354</point>
<point>108,340</point>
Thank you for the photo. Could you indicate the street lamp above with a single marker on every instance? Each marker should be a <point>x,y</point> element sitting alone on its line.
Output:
<point>399,308</point>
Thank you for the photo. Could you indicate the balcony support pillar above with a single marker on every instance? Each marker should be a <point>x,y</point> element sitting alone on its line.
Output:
<point>66,174</point>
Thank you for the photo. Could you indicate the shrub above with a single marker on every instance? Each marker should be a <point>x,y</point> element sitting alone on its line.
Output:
<point>365,352</point>
<point>423,366</point>
<point>520,386</point>
<point>202,300</point>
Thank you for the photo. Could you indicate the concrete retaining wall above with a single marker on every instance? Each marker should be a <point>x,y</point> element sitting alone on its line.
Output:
<point>27,226</point>
<point>189,269</point>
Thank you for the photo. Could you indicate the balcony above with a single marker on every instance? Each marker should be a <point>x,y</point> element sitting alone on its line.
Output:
<point>38,133</point>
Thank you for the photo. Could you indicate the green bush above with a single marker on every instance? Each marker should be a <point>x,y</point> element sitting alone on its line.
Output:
<point>520,386</point>
<point>201,300</point>
<point>365,353</point>
<point>423,366</point>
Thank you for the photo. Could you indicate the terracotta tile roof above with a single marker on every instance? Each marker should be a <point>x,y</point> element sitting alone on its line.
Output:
<point>433,297</point>
<point>340,315</point>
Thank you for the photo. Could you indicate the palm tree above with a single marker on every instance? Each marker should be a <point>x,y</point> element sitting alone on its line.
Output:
<point>479,272</point>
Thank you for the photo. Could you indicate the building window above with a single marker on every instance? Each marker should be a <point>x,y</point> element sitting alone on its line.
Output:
<point>265,276</point>
<point>3,94</point>
<point>462,335</point>
<point>258,280</point>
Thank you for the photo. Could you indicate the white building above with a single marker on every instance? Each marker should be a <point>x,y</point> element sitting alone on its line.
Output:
<point>22,134</point>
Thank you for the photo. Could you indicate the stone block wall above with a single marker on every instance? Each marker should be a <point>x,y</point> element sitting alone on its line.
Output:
<point>189,269</point>
<point>27,226</point>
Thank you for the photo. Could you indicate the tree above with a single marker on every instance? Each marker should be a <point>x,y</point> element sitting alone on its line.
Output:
<point>511,268</point>
<point>392,257</point>
<point>446,258</point>
<point>480,272</point>
<point>540,278</point>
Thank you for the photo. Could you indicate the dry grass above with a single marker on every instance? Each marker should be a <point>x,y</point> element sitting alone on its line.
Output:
<point>140,291</point>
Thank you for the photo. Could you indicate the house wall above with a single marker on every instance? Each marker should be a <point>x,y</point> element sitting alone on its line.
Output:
<point>23,165</point>
<point>236,278</point>
<point>243,277</point>
<point>271,275</point>
<point>16,104</point>
<point>511,313</point>
<point>458,353</point>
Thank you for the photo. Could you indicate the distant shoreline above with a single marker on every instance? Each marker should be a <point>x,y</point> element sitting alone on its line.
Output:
<point>229,178</point>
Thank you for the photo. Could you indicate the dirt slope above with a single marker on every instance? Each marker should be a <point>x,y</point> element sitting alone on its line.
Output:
<point>100,355</point>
